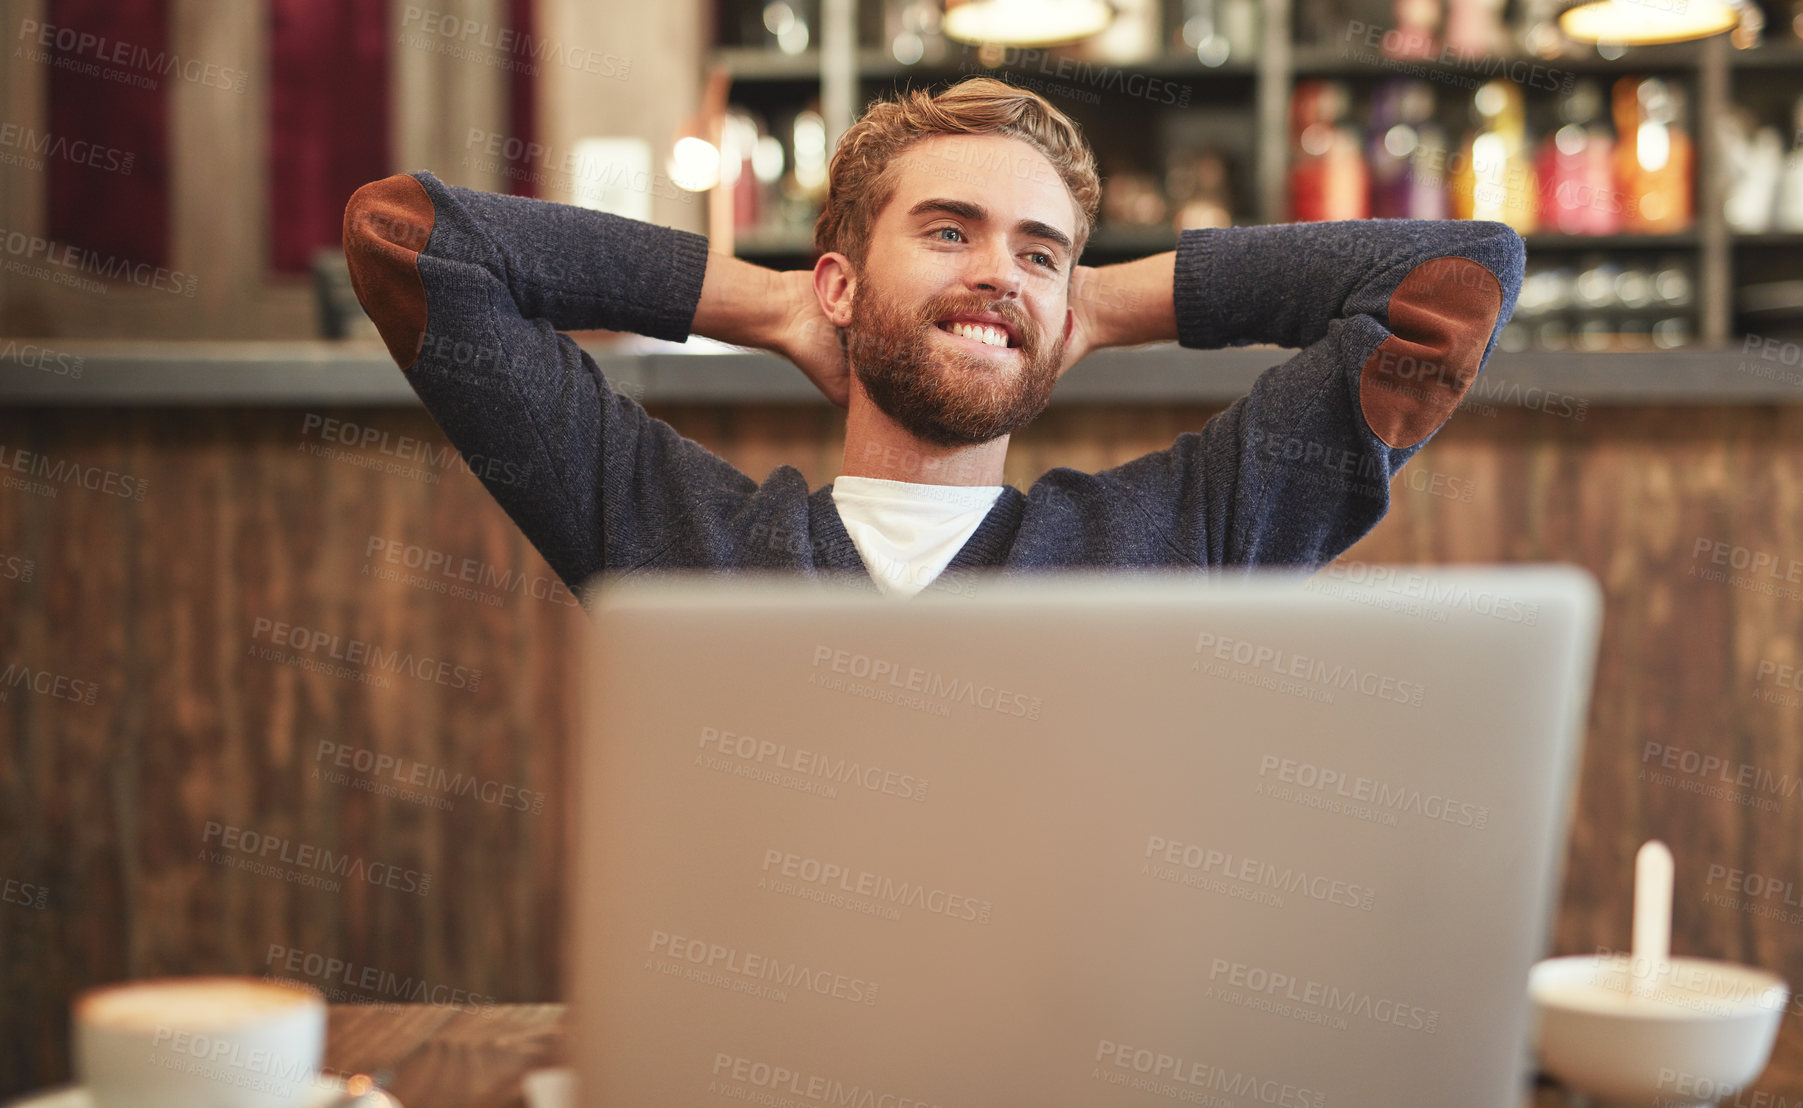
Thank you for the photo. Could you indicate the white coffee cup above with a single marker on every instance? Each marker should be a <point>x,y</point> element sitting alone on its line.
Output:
<point>200,1042</point>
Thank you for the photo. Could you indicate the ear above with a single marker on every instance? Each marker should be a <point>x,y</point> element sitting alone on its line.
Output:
<point>834,286</point>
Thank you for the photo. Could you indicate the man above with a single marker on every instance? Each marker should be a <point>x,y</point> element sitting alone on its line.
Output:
<point>944,307</point>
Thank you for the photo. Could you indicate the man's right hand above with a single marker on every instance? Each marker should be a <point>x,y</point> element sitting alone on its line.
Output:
<point>748,305</point>
<point>806,337</point>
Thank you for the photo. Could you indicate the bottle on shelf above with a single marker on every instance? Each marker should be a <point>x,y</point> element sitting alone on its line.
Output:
<point>911,31</point>
<point>1417,29</point>
<point>1753,162</point>
<point>780,26</point>
<point>803,189</point>
<point>1200,191</point>
<point>1406,152</point>
<point>1219,30</point>
<point>1493,177</point>
<point>1328,178</point>
<point>1575,166</point>
<point>1131,198</point>
<point>1474,28</point>
<point>740,135</point>
<point>1654,158</point>
<point>1537,29</point>
<point>1789,213</point>
<point>1598,304</point>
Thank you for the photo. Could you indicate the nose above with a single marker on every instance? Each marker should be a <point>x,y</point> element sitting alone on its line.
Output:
<point>992,270</point>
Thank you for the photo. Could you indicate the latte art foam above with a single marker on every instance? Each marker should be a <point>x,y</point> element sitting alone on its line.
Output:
<point>197,1003</point>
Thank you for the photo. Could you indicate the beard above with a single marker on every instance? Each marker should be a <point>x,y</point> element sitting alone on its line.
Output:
<point>948,397</point>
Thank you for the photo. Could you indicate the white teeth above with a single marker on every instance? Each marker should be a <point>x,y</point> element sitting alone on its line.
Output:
<point>982,332</point>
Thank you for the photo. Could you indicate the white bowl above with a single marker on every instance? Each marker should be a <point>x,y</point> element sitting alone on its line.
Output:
<point>1704,1033</point>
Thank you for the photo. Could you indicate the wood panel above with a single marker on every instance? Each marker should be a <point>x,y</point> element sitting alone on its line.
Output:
<point>105,807</point>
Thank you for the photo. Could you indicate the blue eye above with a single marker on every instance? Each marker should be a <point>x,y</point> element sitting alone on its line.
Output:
<point>953,230</point>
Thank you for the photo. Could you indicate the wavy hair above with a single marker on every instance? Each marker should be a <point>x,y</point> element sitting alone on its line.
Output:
<point>860,177</point>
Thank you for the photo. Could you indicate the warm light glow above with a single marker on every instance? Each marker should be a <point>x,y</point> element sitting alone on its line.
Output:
<point>1647,22</point>
<point>694,164</point>
<point>1652,147</point>
<point>1026,22</point>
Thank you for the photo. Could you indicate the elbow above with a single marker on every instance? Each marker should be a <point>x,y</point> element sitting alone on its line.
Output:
<point>1441,318</point>
<point>1502,251</point>
<point>387,224</point>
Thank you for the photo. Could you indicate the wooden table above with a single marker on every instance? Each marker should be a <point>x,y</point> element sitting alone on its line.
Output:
<point>448,1058</point>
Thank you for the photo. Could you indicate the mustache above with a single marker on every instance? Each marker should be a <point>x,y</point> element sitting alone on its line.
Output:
<point>949,308</point>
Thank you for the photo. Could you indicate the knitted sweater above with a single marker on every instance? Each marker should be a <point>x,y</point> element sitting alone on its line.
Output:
<point>1392,321</point>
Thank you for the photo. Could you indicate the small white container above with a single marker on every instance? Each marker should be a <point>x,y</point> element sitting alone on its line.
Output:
<point>1702,1032</point>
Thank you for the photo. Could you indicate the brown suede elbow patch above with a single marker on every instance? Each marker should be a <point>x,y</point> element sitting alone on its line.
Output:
<point>386,225</point>
<point>1441,316</point>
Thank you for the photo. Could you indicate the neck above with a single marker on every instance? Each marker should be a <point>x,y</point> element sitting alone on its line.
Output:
<point>877,446</point>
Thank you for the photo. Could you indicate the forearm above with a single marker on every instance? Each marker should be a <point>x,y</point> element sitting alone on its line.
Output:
<point>1132,303</point>
<point>741,303</point>
<point>1286,283</point>
<point>573,268</point>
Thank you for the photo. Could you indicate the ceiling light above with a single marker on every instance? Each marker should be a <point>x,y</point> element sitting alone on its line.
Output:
<point>1647,22</point>
<point>1025,22</point>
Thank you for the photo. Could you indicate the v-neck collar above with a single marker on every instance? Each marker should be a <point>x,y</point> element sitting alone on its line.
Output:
<point>834,548</point>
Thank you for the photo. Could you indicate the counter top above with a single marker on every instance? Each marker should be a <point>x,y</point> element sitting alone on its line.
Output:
<point>129,373</point>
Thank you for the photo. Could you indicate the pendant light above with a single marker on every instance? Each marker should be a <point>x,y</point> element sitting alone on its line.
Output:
<point>1024,22</point>
<point>1647,22</point>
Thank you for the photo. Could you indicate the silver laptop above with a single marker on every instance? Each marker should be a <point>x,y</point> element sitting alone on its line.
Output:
<point>1074,839</point>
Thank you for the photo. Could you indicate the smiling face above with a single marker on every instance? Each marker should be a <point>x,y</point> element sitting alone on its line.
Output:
<point>959,318</point>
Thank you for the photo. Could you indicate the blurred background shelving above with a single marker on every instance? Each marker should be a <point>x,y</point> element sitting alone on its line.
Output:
<point>1216,112</point>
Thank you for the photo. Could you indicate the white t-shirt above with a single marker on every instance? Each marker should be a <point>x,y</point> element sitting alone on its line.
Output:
<point>907,532</point>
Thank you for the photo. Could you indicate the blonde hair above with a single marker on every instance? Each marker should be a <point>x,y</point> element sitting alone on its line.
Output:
<point>861,183</point>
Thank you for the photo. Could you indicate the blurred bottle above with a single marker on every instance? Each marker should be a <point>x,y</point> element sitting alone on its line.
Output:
<point>1672,286</point>
<point>1130,198</point>
<point>1328,179</point>
<point>1199,188</point>
<point>1493,177</point>
<point>1406,152</point>
<point>1217,30</point>
<point>739,137</point>
<point>1789,214</point>
<point>1576,168</point>
<point>1417,29</point>
<point>1474,27</point>
<point>912,33</point>
<point>785,26</point>
<point>1653,158</point>
<point>1537,29</point>
<point>803,189</point>
<point>1753,161</point>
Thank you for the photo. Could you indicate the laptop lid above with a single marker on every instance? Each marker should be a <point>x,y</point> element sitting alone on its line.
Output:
<point>1073,839</point>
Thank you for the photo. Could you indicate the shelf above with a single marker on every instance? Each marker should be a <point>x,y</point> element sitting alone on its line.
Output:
<point>124,373</point>
<point>1680,240</point>
<point>879,65</point>
<point>1770,55</point>
<point>751,63</point>
<point>1258,90</point>
<point>1787,239</point>
<point>1322,60</point>
<point>1355,58</point>
<point>757,247</point>
<point>1132,240</point>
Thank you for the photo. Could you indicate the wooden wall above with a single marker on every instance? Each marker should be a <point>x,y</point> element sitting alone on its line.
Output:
<point>105,870</point>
